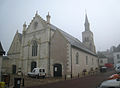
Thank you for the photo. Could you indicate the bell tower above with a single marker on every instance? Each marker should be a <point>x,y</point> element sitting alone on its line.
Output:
<point>87,36</point>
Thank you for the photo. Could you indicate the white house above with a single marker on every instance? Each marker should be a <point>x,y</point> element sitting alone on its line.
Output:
<point>103,61</point>
<point>116,58</point>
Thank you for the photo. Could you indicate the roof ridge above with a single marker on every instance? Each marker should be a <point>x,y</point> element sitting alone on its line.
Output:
<point>75,42</point>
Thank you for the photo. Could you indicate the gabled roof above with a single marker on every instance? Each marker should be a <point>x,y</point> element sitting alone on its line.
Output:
<point>43,21</point>
<point>1,50</point>
<point>76,43</point>
<point>72,40</point>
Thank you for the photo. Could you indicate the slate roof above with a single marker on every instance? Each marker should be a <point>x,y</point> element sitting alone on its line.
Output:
<point>76,43</point>
<point>1,50</point>
<point>73,41</point>
<point>53,27</point>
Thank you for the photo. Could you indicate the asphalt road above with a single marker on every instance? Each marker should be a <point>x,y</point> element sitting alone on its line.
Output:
<point>84,82</point>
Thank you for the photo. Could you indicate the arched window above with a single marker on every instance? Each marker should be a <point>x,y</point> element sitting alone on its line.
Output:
<point>34,48</point>
<point>86,60</point>
<point>92,61</point>
<point>77,58</point>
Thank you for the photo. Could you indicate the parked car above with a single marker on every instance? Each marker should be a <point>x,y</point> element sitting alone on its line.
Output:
<point>37,72</point>
<point>114,76</point>
<point>117,69</point>
<point>115,83</point>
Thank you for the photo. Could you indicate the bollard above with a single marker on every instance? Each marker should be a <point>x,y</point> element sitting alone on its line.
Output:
<point>71,76</point>
<point>23,82</point>
<point>65,77</point>
<point>78,75</point>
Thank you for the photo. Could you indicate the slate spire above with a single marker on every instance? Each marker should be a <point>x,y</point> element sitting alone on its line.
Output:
<point>87,25</point>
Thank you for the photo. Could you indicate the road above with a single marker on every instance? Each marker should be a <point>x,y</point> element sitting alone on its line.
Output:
<point>84,82</point>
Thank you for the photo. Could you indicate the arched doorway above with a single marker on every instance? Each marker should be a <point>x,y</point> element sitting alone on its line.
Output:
<point>33,65</point>
<point>57,70</point>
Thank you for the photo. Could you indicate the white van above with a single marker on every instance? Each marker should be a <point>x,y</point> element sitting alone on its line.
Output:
<point>37,72</point>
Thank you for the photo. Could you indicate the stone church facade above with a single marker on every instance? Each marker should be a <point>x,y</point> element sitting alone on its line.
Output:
<point>43,45</point>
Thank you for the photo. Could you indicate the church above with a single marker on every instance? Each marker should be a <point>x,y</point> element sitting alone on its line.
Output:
<point>43,45</point>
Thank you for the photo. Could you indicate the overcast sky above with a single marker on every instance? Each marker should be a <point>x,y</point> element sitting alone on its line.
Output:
<point>68,15</point>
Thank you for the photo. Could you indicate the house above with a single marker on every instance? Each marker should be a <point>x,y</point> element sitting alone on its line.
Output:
<point>116,58</point>
<point>103,61</point>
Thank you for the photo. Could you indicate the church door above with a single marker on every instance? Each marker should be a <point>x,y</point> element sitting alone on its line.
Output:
<point>14,69</point>
<point>57,70</point>
<point>33,65</point>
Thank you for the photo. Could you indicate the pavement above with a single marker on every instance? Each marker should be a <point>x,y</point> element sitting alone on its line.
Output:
<point>83,82</point>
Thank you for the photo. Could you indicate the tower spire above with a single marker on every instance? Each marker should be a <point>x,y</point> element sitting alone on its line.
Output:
<point>87,36</point>
<point>86,18</point>
<point>87,25</point>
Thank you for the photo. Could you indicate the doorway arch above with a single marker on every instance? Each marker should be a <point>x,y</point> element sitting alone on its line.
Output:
<point>57,70</point>
<point>33,65</point>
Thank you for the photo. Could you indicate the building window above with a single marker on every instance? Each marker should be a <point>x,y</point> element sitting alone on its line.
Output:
<point>34,48</point>
<point>101,61</point>
<point>77,58</point>
<point>92,61</point>
<point>118,56</point>
<point>86,60</point>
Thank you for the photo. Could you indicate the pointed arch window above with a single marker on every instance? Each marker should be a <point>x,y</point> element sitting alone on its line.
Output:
<point>34,48</point>
<point>77,58</point>
<point>86,60</point>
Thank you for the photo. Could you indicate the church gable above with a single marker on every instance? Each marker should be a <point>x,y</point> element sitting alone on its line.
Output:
<point>36,24</point>
<point>16,44</point>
